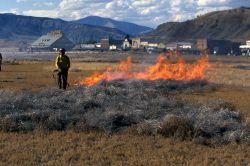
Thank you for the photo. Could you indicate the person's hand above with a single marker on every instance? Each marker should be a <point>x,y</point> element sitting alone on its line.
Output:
<point>56,71</point>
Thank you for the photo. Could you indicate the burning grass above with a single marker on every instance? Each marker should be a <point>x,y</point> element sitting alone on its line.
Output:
<point>148,106</point>
<point>163,69</point>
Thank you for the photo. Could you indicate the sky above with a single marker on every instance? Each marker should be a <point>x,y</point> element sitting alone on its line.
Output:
<point>143,12</point>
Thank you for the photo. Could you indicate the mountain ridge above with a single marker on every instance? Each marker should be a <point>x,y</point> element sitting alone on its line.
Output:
<point>18,27</point>
<point>126,27</point>
<point>233,25</point>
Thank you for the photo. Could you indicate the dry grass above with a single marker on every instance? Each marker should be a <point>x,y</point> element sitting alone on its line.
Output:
<point>92,148</point>
<point>70,148</point>
<point>179,128</point>
<point>38,75</point>
<point>230,74</point>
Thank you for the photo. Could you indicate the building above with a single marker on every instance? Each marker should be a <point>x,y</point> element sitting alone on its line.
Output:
<point>98,45</point>
<point>144,44</point>
<point>127,43</point>
<point>136,43</point>
<point>184,45</point>
<point>161,46</point>
<point>115,44</point>
<point>202,44</point>
<point>105,44</point>
<point>50,41</point>
<point>218,47</point>
<point>171,46</point>
<point>110,44</point>
<point>155,45</point>
<point>113,47</point>
<point>84,47</point>
<point>245,49</point>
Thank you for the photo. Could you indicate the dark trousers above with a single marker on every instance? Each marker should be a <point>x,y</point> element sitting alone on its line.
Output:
<point>0,65</point>
<point>62,78</point>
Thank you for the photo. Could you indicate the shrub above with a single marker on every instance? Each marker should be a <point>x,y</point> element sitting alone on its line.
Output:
<point>117,105</point>
<point>177,127</point>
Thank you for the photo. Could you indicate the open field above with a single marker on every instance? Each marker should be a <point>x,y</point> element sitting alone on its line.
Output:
<point>71,148</point>
<point>230,74</point>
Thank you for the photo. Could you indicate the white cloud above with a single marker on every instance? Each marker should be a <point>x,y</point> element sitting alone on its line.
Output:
<point>20,1</point>
<point>13,10</point>
<point>212,2</point>
<point>144,12</point>
<point>42,4</point>
<point>42,13</point>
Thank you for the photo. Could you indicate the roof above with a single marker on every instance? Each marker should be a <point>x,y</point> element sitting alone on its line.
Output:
<point>47,40</point>
<point>128,40</point>
<point>115,42</point>
<point>184,43</point>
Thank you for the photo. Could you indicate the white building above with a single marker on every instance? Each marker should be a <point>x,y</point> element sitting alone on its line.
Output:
<point>98,45</point>
<point>153,45</point>
<point>112,47</point>
<point>247,46</point>
<point>127,44</point>
<point>171,46</point>
<point>245,49</point>
<point>54,39</point>
<point>184,45</point>
<point>144,44</point>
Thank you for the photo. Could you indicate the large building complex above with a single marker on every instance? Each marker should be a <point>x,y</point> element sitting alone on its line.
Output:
<point>52,40</point>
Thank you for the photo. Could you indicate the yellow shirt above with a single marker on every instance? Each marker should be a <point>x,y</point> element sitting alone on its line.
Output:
<point>62,62</point>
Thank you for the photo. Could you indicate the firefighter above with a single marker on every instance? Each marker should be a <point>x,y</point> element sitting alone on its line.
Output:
<point>62,64</point>
<point>1,58</point>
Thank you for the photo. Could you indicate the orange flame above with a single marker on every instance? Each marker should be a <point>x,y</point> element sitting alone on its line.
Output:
<point>163,69</point>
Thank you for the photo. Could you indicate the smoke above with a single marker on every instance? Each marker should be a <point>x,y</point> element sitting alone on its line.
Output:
<point>118,105</point>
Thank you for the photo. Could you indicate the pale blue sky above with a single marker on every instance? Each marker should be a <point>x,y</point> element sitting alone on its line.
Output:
<point>28,4</point>
<point>145,12</point>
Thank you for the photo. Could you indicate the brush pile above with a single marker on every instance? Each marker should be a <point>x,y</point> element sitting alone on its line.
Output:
<point>150,107</point>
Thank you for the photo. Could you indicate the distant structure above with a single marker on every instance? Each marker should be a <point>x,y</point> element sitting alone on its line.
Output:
<point>218,47</point>
<point>202,44</point>
<point>245,49</point>
<point>139,43</point>
<point>127,43</point>
<point>105,44</point>
<point>172,46</point>
<point>50,41</point>
<point>115,44</point>
<point>136,43</point>
<point>83,47</point>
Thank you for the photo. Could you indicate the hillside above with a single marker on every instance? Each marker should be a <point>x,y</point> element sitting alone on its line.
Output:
<point>26,28</point>
<point>229,24</point>
<point>126,27</point>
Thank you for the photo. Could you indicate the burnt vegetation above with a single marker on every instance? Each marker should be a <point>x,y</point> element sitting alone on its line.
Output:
<point>148,107</point>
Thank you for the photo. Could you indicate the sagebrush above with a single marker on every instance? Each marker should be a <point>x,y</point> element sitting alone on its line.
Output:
<point>149,106</point>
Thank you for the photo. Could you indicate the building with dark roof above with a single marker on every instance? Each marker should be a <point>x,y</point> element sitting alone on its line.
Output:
<point>52,40</point>
<point>218,47</point>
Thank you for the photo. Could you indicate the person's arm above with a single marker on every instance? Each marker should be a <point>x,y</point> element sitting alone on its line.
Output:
<point>56,63</point>
<point>68,63</point>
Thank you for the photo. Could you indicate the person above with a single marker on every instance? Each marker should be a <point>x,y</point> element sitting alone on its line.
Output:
<point>1,58</point>
<point>62,64</point>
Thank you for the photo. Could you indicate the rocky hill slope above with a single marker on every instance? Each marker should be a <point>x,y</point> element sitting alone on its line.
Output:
<point>229,24</point>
